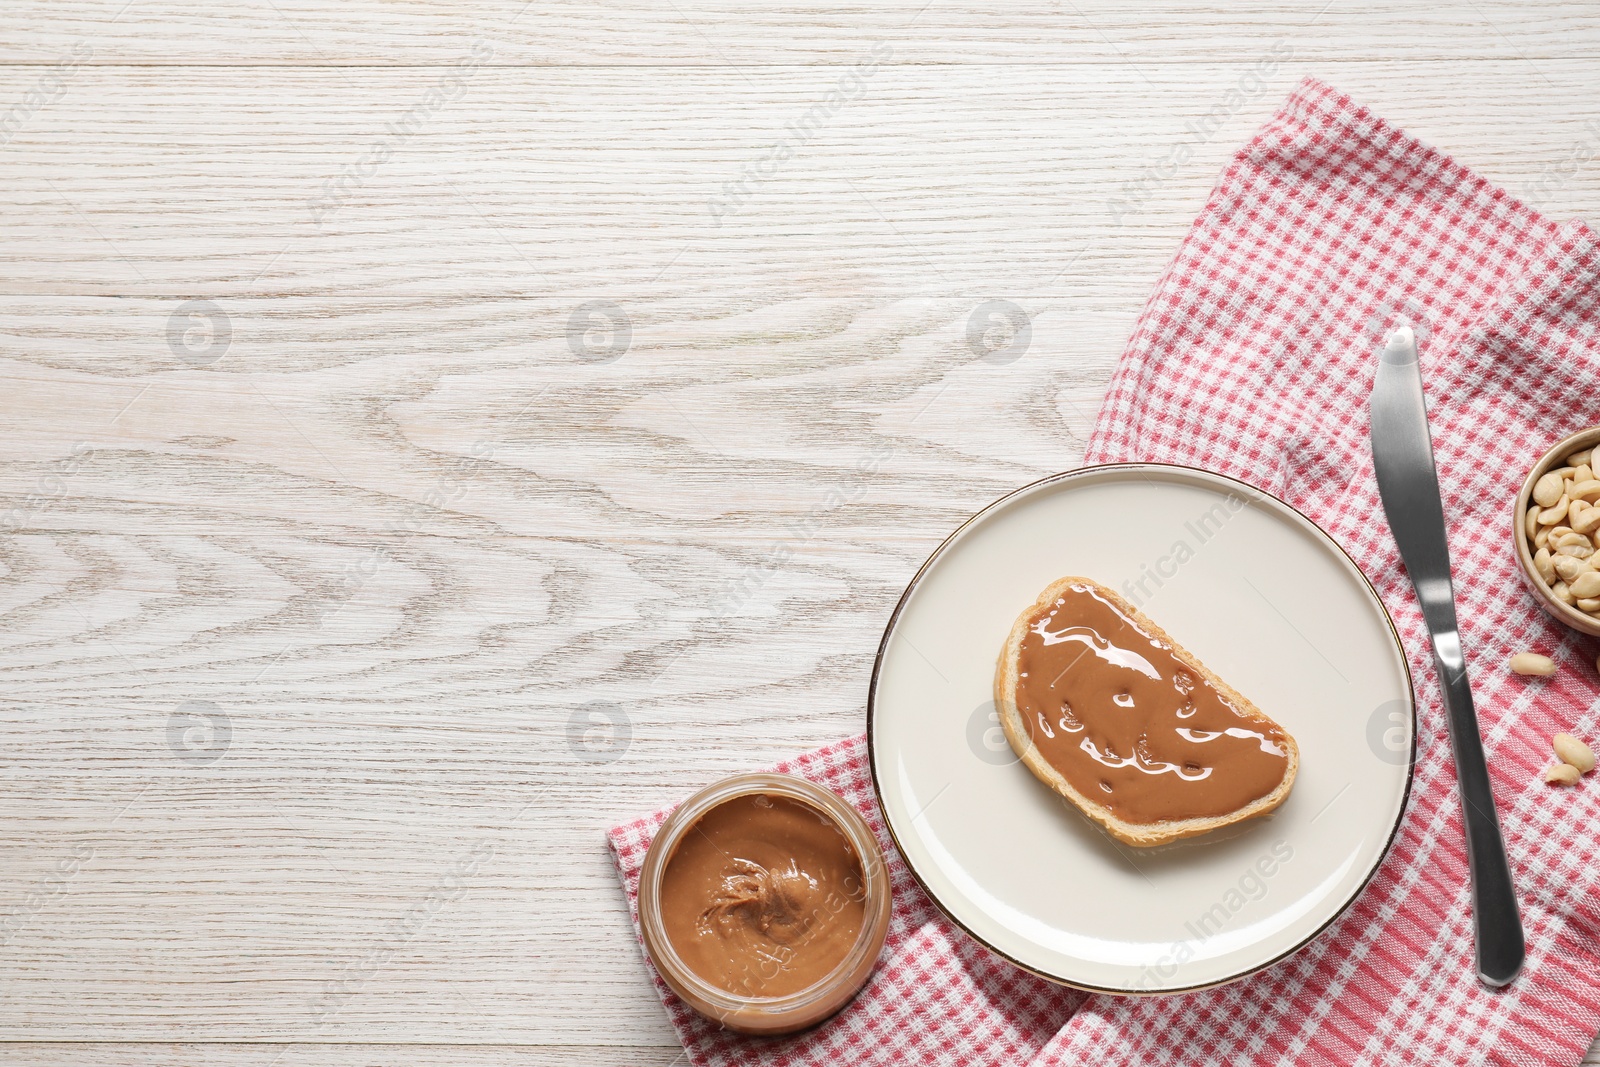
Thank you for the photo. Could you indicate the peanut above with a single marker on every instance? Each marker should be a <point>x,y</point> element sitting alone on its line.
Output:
<point>1557,511</point>
<point>1571,751</point>
<point>1542,564</point>
<point>1586,521</point>
<point>1547,490</point>
<point>1569,567</point>
<point>1562,774</point>
<point>1585,585</point>
<point>1533,664</point>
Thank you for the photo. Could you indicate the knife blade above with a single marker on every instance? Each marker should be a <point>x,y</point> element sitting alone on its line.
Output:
<point>1408,485</point>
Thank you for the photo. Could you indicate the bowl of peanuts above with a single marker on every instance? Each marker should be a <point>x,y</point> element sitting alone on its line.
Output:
<point>1557,531</point>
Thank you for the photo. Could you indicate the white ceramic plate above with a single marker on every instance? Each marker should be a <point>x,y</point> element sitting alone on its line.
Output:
<point>1266,600</point>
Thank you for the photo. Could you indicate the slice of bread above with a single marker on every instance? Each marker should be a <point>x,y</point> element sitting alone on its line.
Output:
<point>1138,834</point>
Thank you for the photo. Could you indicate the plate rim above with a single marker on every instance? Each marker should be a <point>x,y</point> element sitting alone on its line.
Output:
<point>1102,468</point>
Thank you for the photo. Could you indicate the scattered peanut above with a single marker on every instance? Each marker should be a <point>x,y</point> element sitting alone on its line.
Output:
<point>1562,774</point>
<point>1531,663</point>
<point>1571,751</point>
<point>1562,527</point>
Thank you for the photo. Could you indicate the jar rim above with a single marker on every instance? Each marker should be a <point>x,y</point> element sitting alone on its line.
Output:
<point>874,875</point>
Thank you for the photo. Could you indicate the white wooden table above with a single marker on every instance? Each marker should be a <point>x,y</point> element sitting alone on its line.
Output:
<point>361,565</point>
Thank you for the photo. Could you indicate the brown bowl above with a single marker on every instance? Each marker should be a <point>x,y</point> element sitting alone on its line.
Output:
<point>1546,596</point>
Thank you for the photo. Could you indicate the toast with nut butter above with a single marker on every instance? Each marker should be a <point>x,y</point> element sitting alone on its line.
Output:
<point>1104,707</point>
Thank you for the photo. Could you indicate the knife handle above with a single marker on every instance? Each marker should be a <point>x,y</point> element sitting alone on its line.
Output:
<point>1500,945</point>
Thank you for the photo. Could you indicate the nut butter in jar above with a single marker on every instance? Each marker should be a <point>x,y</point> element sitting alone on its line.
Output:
<point>764,902</point>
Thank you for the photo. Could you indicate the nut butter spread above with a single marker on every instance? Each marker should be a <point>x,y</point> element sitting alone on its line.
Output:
<point>1130,725</point>
<point>764,897</point>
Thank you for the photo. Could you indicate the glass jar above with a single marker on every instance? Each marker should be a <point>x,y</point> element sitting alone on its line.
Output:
<point>816,1002</point>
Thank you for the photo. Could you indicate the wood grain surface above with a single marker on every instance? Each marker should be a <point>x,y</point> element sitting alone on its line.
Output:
<point>436,432</point>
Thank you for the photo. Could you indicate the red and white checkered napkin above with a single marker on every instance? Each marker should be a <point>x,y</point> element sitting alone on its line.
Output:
<point>937,996</point>
<point>1255,357</point>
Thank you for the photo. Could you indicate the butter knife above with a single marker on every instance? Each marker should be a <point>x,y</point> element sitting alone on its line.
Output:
<point>1408,483</point>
